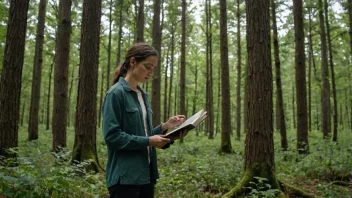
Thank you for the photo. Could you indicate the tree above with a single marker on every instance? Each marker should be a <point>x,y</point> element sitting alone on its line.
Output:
<point>140,22</point>
<point>62,56</point>
<point>331,62</point>
<point>11,74</point>
<point>183,59</point>
<point>225,82</point>
<point>37,74</point>
<point>280,101</point>
<point>259,144</point>
<point>85,125</point>
<point>301,94</point>
<point>209,60</point>
<point>350,20</point>
<point>325,86</point>
<point>239,71</point>
<point>156,84</point>
<point>119,35</point>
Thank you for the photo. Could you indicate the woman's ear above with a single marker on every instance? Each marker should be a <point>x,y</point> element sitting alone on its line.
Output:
<point>132,61</point>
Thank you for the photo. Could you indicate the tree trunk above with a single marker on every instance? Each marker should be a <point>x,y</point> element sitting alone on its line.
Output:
<point>37,74</point>
<point>259,144</point>
<point>293,107</point>
<point>140,22</point>
<point>101,97</point>
<point>350,17</point>
<point>325,88</point>
<point>49,94</point>
<point>62,51</point>
<point>108,83</point>
<point>85,124</point>
<point>156,84</point>
<point>22,112</point>
<point>239,72</point>
<point>245,102</point>
<point>218,104</point>
<point>211,97</point>
<point>10,83</point>
<point>225,82</point>
<point>119,39</point>
<point>280,101</point>
<point>165,113</point>
<point>183,60</point>
<point>346,107</point>
<point>335,113</point>
<point>69,97</point>
<point>310,57</point>
<point>301,94</point>
<point>172,68</point>
<point>209,75</point>
<point>207,54</point>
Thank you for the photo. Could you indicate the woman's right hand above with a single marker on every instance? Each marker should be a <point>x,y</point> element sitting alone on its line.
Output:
<point>158,141</point>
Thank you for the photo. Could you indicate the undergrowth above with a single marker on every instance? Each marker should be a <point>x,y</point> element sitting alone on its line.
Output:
<point>191,169</point>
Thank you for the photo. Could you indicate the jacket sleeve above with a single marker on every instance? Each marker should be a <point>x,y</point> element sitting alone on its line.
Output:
<point>157,130</point>
<point>112,119</point>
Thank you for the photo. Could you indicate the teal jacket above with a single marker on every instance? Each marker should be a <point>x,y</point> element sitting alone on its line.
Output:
<point>124,134</point>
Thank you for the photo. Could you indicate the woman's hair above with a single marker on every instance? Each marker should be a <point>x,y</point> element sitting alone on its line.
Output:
<point>140,51</point>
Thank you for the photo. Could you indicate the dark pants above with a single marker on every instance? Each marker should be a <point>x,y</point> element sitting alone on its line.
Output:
<point>132,191</point>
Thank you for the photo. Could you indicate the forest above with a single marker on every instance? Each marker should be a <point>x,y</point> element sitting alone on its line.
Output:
<point>274,77</point>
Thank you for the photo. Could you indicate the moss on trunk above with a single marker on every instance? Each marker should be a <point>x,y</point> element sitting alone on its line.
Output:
<point>250,180</point>
<point>85,152</point>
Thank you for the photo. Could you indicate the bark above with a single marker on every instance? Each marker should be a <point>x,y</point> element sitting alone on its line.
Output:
<point>165,113</point>
<point>119,36</point>
<point>172,68</point>
<point>140,22</point>
<point>69,97</point>
<point>37,74</point>
<point>85,123</point>
<point>325,86</point>
<point>225,82</point>
<point>259,145</point>
<point>49,95</point>
<point>108,82</point>
<point>11,74</point>
<point>350,28</point>
<point>101,97</point>
<point>301,94</point>
<point>211,98</point>
<point>62,51</point>
<point>218,104</point>
<point>335,113</point>
<point>22,112</point>
<point>280,101</point>
<point>245,102</point>
<point>310,58</point>
<point>183,59</point>
<point>239,72</point>
<point>209,75</point>
<point>156,84</point>
<point>293,107</point>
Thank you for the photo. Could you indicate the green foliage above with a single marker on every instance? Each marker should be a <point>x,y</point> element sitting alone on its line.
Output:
<point>191,169</point>
<point>262,189</point>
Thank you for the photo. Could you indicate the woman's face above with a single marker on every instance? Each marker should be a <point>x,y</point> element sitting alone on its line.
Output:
<point>143,70</point>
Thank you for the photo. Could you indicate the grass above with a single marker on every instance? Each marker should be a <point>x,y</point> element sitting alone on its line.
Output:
<point>192,169</point>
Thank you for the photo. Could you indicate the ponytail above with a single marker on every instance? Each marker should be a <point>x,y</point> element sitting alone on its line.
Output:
<point>120,71</point>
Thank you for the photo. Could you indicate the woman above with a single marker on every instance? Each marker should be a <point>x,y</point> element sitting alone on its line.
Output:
<point>131,169</point>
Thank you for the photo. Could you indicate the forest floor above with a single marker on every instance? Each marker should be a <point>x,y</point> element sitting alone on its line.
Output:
<point>193,169</point>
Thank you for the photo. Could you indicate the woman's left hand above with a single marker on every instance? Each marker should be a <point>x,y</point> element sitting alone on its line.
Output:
<point>173,122</point>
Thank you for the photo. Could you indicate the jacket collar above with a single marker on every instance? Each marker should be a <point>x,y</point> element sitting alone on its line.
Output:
<point>127,87</point>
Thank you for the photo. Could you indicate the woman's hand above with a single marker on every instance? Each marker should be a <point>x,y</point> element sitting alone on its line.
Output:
<point>158,141</point>
<point>173,122</point>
